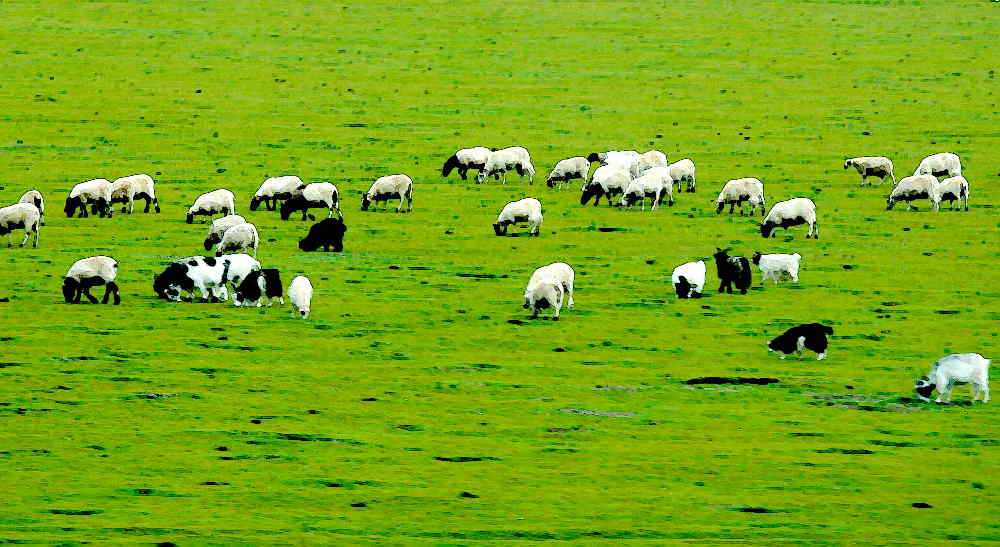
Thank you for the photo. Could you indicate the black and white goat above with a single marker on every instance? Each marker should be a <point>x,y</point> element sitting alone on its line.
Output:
<point>91,272</point>
<point>209,275</point>
<point>732,270</point>
<point>258,287</point>
<point>960,368</point>
<point>811,336</point>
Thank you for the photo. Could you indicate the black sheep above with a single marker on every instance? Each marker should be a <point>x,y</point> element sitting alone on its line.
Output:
<point>811,336</point>
<point>325,233</point>
<point>732,270</point>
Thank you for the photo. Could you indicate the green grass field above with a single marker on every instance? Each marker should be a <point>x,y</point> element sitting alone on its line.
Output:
<point>409,409</point>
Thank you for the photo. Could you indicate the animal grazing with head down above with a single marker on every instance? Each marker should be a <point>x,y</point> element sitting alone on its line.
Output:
<point>216,202</point>
<point>300,292</point>
<point>811,336</point>
<point>209,275</point>
<point>465,159</point>
<point>239,238</point>
<point>684,171</point>
<point>389,187</point>
<point>34,197</point>
<point>568,169</point>
<point>126,190</point>
<point>24,216</point>
<point>548,287</point>
<point>275,189</point>
<point>95,193</point>
<point>944,164</point>
<point>951,190</point>
<point>736,191</point>
<point>913,188</point>
<point>608,181</point>
<point>654,184</point>
<point>91,272</point>
<point>792,212</point>
<point>871,166</point>
<point>689,279</point>
<point>630,160</point>
<point>524,210</point>
<point>774,266</point>
<point>326,233</point>
<point>219,227</point>
<point>652,158</point>
<point>317,195</point>
<point>960,368</point>
<point>732,270</point>
<point>506,159</point>
<point>258,287</point>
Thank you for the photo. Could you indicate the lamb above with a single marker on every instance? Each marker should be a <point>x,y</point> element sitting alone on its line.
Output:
<point>257,287</point>
<point>960,368</point>
<point>321,195</point>
<point>300,293</point>
<point>525,210</point>
<point>689,279</point>
<point>207,274</point>
<point>655,183</point>
<point>242,237</point>
<point>736,191</point>
<point>547,287</point>
<point>465,159</point>
<point>96,193</point>
<point>325,233</point>
<point>871,166</point>
<point>128,189</point>
<point>811,336</point>
<point>501,161</point>
<point>220,201</point>
<point>24,216</point>
<point>791,212</point>
<point>773,266</point>
<point>219,227</point>
<point>608,181</point>
<point>34,197</point>
<point>652,158</point>
<point>568,169</point>
<point>91,272</point>
<point>390,187</point>
<point>274,189</point>
<point>684,171</point>
<point>952,189</point>
<point>630,159</point>
<point>732,270</point>
<point>944,164</point>
<point>915,187</point>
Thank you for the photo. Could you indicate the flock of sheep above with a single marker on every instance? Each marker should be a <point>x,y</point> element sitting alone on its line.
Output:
<point>628,175</point>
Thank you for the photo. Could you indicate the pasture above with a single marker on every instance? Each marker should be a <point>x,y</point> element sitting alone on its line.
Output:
<point>418,404</point>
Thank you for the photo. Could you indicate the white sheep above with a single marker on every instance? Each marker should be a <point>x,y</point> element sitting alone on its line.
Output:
<point>655,184</point>
<point>242,237</point>
<point>912,188</point>
<point>506,159</point>
<point>34,197</point>
<point>300,293</point>
<point>736,191</point>
<point>525,210</point>
<point>548,287</point>
<point>465,159</point>
<point>960,368</point>
<point>568,169</point>
<point>630,159</point>
<point>689,279</point>
<point>608,180</point>
<point>128,189</point>
<point>683,171</point>
<point>773,266</point>
<point>274,189</point>
<point>91,272</point>
<point>944,164</point>
<point>216,202</point>
<point>871,166</point>
<point>791,212</point>
<point>96,193</point>
<point>318,195</point>
<point>219,227</point>
<point>952,189</point>
<point>652,158</point>
<point>389,187</point>
<point>23,216</point>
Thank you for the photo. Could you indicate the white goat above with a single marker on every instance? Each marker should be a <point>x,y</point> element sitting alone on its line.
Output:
<point>547,287</point>
<point>960,368</point>
<point>773,266</point>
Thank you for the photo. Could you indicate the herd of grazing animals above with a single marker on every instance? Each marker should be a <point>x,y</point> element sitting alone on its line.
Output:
<point>628,175</point>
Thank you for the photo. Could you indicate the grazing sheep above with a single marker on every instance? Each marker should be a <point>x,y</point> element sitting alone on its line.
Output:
<point>96,193</point>
<point>788,213</point>
<point>684,171</point>
<point>627,158</point>
<point>259,286</point>
<point>525,210</point>
<point>871,166</point>
<point>389,187</point>
<point>655,184</point>
<point>275,189</point>
<point>912,188</point>
<point>207,274</point>
<point>568,169</point>
<point>325,233</point>
<point>732,270</point>
<point>242,237</point>
<point>24,216</point>
<point>608,181</point>
<point>944,164</point>
<point>216,202</point>
<point>950,190</point>
<point>300,293</point>
<point>547,287</point>
<point>128,189</point>
<point>318,195</point>
<point>652,158</point>
<point>91,272</point>
<point>465,159</point>
<point>773,266</point>
<point>689,279</point>
<point>736,191</point>
<point>34,197</point>
<point>501,161</point>
<point>960,368</point>
<point>219,227</point>
<point>811,336</point>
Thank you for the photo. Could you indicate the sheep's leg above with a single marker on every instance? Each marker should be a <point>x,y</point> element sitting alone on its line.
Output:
<point>35,243</point>
<point>27,232</point>
<point>90,297</point>
<point>732,205</point>
<point>985,389</point>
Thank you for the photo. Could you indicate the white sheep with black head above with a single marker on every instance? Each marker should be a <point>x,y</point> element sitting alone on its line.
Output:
<point>212,203</point>
<point>35,198</point>
<point>514,158</point>
<point>24,216</point>
<point>549,287</point>
<point>952,189</point>
<point>568,169</point>
<point>275,189</point>
<point>219,227</point>
<point>736,191</point>
<point>239,238</point>
<point>523,210</point>
<point>791,212</point>
<point>94,193</point>
<point>386,188</point>
<point>683,171</point>
<point>465,159</point>
<point>871,166</point>
<point>91,272</point>
<point>126,190</point>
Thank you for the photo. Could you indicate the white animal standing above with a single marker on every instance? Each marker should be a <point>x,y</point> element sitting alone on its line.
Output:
<point>524,210</point>
<point>688,279</point>
<point>683,171</point>
<point>126,190</point>
<point>912,188</point>
<point>608,181</point>
<point>629,159</point>
<point>944,164</point>
<point>548,287</point>
<point>95,193</point>
<point>568,169</point>
<point>239,238</point>
<point>317,195</point>
<point>216,202</point>
<point>34,197</point>
<point>871,166</point>
<point>736,191</point>
<point>655,184</point>
<point>275,189</point>
<point>300,293</point>
<point>91,272</point>
<point>465,159</point>
<point>652,158</point>
<point>960,368</point>
<point>788,213</point>
<point>219,227</point>
<point>514,158</point>
<point>24,216</point>
<point>389,187</point>
<point>209,275</point>
<point>774,266</point>
<point>952,189</point>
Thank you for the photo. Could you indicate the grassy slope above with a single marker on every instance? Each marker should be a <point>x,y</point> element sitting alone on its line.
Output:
<point>781,92</point>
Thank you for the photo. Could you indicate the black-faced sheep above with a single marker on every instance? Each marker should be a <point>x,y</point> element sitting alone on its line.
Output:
<point>317,195</point>
<point>568,169</point>
<point>960,368</point>
<point>242,237</point>
<point>513,158</point>
<point>736,191</point>
<point>952,189</point>
<point>548,287</point>
<point>788,213</point>
<point>683,171</point>
<point>524,210</point>
<point>465,159</point>
<point>219,227</point>
<point>96,193</point>
<point>871,166</point>
<point>389,187</point>
<point>24,216</point>
<point>126,190</point>
<point>216,202</point>
<point>275,189</point>
<point>300,292</point>
<point>811,336</point>
<point>91,272</point>
<point>34,197</point>
<point>912,188</point>
<point>608,181</point>
<point>689,279</point>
